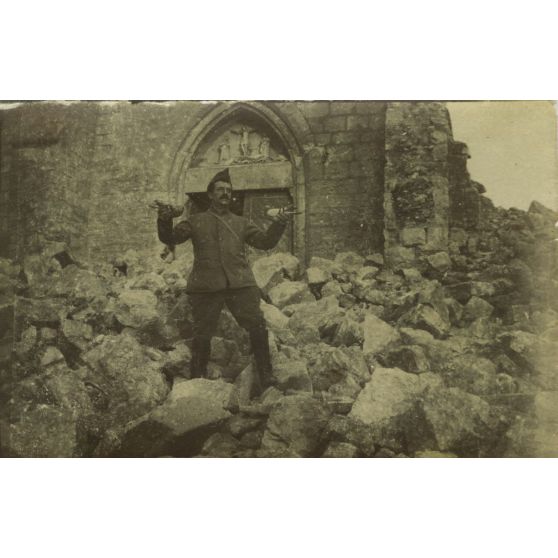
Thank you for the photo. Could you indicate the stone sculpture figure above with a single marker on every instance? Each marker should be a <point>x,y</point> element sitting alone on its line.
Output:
<point>263,149</point>
<point>224,151</point>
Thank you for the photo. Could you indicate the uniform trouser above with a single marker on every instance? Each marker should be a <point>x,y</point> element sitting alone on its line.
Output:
<point>244,305</point>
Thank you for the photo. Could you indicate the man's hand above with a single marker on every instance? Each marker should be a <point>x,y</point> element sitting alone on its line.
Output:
<point>166,212</point>
<point>283,215</point>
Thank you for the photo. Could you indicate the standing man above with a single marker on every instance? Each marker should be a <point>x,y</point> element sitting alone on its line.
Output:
<point>221,274</point>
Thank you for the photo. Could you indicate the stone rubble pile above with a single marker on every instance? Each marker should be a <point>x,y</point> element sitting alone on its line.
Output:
<point>455,356</point>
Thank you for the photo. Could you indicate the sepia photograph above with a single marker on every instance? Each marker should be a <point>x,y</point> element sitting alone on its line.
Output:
<point>278,279</point>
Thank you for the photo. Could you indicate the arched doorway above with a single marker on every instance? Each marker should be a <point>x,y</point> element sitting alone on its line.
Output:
<point>263,158</point>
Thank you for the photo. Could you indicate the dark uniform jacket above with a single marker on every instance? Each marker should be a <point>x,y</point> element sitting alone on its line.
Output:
<point>219,248</point>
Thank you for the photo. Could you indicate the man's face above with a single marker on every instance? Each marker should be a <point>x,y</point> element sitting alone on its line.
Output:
<point>222,194</point>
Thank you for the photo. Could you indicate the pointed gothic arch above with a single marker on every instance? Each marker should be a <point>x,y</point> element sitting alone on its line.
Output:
<point>288,175</point>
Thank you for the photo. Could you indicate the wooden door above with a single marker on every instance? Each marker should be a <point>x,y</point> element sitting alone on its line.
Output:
<point>256,203</point>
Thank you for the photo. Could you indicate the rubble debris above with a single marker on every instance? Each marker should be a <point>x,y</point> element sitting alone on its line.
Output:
<point>452,353</point>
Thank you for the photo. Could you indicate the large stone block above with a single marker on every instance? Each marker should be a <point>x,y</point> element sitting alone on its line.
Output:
<point>46,431</point>
<point>180,426</point>
<point>459,422</point>
<point>290,292</point>
<point>413,236</point>
<point>297,423</point>
<point>335,123</point>
<point>389,404</point>
<point>377,334</point>
<point>137,308</point>
<point>316,109</point>
<point>132,381</point>
<point>425,317</point>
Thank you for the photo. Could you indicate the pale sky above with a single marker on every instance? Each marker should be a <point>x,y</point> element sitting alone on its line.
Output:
<point>513,149</point>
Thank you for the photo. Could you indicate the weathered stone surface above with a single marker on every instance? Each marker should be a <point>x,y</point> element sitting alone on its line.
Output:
<point>350,262</point>
<point>24,347</point>
<point>546,433</point>
<point>48,335</point>
<point>175,276</point>
<point>389,278</point>
<point>533,354</point>
<point>410,358</point>
<point>274,318</point>
<point>46,431</point>
<point>131,381</point>
<point>429,454</point>
<point>432,294</point>
<point>366,273</point>
<point>225,353</point>
<point>349,332</point>
<point>460,291</point>
<point>460,422</point>
<point>346,300</point>
<point>416,336</point>
<point>331,288</point>
<point>181,424</point>
<point>291,374</point>
<point>151,282</point>
<point>472,374</point>
<point>413,236</point>
<point>477,307</point>
<point>67,389</point>
<point>317,276</point>
<point>177,361</point>
<point>340,450</point>
<point>329,367</point>
<point>455,310</point>
<point>390,394</point>
<point>331,267</point>
<point>81,286</point>
<point>40,312</point>
<point>373,296</point>
<point>440,261</point>
<point>38,269</point>
<point>374,259</point>
<point>482,288</point>
<point>385,453</point>
<point>297,423</point>
<point>78,333</point>
<point>425,317</point>
<point>349,430</point>
<point>221,444</point>
<point>290,292</point>
<point>412,275</point>
<point>238,425</point>
<point>401,256</point>
<point>137,308</point>
<point>377,334</point>
<point>52,355</point>
<point>268,272</point>
<point>316,319</point>
<point>290,264</point>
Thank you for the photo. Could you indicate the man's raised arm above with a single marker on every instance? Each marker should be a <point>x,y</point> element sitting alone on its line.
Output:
<point>167,233</point>
<point>265,240</point>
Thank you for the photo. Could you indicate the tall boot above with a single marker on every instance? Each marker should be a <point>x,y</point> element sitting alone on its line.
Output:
<point>259,340</point>
<point>201,350</point>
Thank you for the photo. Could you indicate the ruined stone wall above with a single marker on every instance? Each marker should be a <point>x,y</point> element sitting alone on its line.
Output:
<point>45,175</point>
<point>134,150</point>
<point>344,167</point>
<point>84,173</point>
<point>416,200</point>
